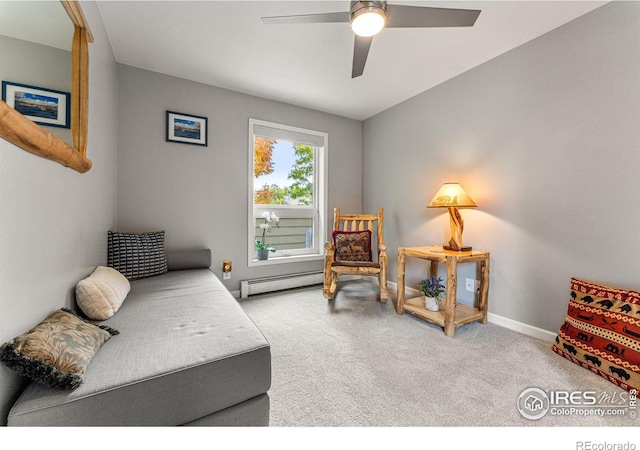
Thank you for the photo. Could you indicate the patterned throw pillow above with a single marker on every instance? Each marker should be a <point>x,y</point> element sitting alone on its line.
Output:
<point>137,255</point>
<point>57,351</point>
<point>601,332</point>
<point>352,245</point>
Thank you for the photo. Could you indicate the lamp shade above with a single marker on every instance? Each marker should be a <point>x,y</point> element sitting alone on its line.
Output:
<point>451,195</point>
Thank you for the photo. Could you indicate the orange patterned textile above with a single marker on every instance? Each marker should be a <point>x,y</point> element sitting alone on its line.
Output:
<point>601,332</point>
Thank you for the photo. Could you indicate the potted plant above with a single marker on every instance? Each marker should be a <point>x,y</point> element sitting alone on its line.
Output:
<point>269,220</point>
<point>432,288</point>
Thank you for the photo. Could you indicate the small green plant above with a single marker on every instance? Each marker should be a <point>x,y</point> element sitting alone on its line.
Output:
<point>260,246</point>
<point>432,287</point>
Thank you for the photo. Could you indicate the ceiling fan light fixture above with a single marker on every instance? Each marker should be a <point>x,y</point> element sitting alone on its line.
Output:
<point>368,21</point>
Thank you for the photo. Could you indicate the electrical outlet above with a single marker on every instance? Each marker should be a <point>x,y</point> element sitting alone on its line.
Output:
<point>226,269</point>
<point>470,285</point>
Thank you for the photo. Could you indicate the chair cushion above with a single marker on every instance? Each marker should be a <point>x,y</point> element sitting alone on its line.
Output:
<point>352,246</point>
<point>355,264</point>
<point>601,332</point>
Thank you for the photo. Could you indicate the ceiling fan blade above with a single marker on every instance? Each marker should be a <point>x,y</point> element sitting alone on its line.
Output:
<point>360,52</point>
<point>401,16</point>
<point>309,18</point>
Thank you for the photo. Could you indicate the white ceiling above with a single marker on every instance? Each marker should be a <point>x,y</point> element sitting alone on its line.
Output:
<point>225,44</point>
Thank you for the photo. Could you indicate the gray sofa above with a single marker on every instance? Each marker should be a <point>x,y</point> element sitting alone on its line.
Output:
<point>187,354</point>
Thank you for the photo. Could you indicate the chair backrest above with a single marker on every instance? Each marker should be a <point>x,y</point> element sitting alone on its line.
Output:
<point>360,222</point>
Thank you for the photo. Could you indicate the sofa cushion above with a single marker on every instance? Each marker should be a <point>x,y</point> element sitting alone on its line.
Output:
<point>137,255</point>
<point>100,295</point>
<point>188,259</point>
<point>601,332</point>
<point>57,351</point>
<point>352,245</point>
<point>186,349</point>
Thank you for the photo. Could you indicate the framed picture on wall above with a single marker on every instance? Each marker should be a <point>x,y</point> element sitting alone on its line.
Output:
<point>43,106</point>
<point>186,128</point>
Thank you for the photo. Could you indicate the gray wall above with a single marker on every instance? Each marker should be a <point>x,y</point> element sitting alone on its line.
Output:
<point>37,65</point>
<point>199,194</point>
<point>54,220</point>
<point>545,140</point>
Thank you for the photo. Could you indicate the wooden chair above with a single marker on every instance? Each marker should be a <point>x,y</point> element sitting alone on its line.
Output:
<point>333,269</point>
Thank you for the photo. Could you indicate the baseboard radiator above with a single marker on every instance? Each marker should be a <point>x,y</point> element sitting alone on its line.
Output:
<point>278,283</point>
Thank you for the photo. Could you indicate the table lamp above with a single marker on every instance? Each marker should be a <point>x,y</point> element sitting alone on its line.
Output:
<point>453,196</point>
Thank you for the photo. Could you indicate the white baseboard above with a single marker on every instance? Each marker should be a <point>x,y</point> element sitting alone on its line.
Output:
<point>520,327</point>
<point>523,328</point>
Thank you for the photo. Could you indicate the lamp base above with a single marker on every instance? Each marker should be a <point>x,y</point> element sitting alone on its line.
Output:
<point>456,249</point>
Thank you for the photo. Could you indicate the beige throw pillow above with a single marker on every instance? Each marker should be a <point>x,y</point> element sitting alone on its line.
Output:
<point>57,351</point>
<point>100,295</point>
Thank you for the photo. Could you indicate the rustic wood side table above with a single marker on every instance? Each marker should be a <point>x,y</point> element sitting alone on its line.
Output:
<point>454,314</point>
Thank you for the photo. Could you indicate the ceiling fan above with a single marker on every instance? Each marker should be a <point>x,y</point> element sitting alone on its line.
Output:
<point>368,18</point>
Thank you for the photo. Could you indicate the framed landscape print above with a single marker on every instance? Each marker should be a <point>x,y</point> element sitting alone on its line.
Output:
<point>186,129</point>
<point>43,106</point>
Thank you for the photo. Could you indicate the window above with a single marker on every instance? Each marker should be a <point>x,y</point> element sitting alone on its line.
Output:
<point>287,192</point>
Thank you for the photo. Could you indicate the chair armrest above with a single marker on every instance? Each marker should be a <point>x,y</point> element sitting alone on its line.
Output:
<point>329,250</point>
<point>382,254</point>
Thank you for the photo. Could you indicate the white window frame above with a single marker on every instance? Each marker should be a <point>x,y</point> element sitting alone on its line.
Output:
<point>318,211</point>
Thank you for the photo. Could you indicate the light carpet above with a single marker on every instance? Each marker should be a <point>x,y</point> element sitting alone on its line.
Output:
<point>353,362</point>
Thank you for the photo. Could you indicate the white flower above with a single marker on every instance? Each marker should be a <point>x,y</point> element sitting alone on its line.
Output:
<point>265,226</point>
<point>270,216</point>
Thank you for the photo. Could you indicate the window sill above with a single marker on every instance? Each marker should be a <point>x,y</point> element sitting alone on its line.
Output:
<point>284,260</point>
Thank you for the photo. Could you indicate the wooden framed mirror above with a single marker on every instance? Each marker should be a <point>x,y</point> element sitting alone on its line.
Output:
<point>19,130</point>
